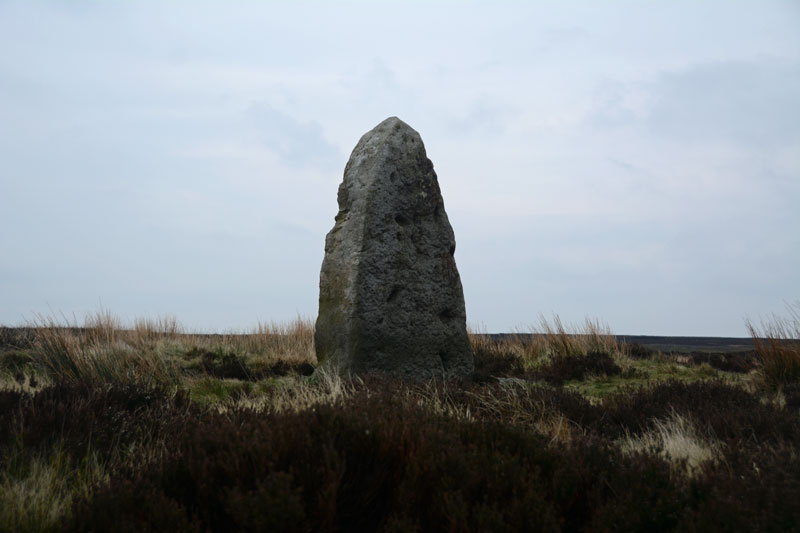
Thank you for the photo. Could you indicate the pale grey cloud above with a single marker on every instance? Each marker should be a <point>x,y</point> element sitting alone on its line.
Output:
<point>749,102</point>
<point>633,162</point>
<point>483,118</point>
<point>298,143</point>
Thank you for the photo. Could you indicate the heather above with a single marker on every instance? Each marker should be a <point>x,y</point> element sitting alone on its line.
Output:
<point>568,429</point>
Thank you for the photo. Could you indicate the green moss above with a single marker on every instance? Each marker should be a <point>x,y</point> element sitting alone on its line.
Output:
<point>16,360</point>
<point>208,390</point>
<point>264,386</point>
<point>648,372</point>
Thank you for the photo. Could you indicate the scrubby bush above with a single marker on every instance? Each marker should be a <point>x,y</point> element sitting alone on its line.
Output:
<point>381,460</point>
<point>221,365</point>
<point>524,404</point>
<point>371,463</point>
<point>228,365</point>
<point>87,416</point>
<point>130,507</point>
<point>740,362</point>
<point>493,359</point>
<point>727,412</point>
<point>15,338</point>
<point>14,362</point>
<point>386,455</point>
<point>563,368</point>
<point>637,351</point>
<point>754,488</point>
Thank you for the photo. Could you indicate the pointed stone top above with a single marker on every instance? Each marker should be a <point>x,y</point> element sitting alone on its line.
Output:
<point>392,120</point>
<point>391,124</point>
<point>392,136</point>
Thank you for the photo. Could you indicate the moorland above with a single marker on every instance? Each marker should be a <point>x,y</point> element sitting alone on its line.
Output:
<point>144,426</point>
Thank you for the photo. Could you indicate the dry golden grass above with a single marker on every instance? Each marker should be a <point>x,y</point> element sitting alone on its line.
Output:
<point>678,441</point>
<point>38,495</point>
<point>541,343</point>
<point>159,350</point>
<point>777,344</point>
<point>23,383</point>
<point>436,397</point>
<point>298,394</point>
<point>592,336</point>
<point>155,350</point>
<point>292,342</point>
<point>149,333</point>
<point>96,352</point>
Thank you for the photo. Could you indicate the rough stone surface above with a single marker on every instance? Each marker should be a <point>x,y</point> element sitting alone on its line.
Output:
<point>390,295</point>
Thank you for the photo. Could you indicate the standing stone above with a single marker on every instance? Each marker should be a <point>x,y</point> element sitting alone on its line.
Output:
<point>390,297</point>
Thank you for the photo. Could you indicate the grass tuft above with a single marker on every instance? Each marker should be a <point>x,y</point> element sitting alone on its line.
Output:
<point>593,337</point>
<point>96,352</point>
<point>777,344</point>
<point>676,439</point>
<point>38,494</point>
<point>159,351</point>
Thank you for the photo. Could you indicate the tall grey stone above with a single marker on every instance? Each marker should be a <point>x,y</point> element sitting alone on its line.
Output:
<point>390,297</point>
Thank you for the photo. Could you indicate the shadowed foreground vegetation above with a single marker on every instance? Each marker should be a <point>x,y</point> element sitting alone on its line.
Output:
<point>150,428</point>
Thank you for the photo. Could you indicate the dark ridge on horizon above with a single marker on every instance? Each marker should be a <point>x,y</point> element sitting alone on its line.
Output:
<point>665,342</point>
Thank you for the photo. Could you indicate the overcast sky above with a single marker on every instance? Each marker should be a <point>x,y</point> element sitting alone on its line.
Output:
<point>634,162</point>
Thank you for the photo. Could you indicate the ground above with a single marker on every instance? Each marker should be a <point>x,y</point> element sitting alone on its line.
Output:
<point>147,427</point>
